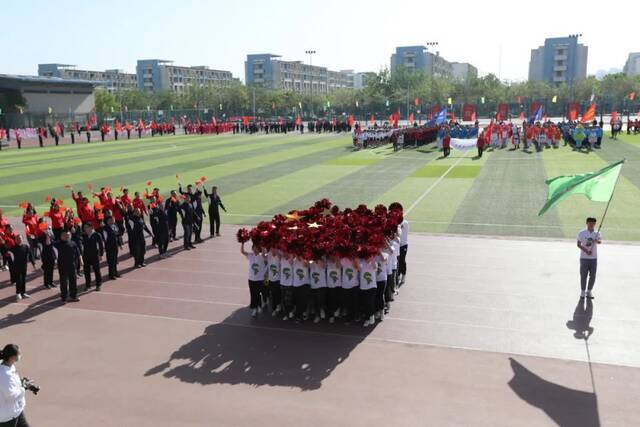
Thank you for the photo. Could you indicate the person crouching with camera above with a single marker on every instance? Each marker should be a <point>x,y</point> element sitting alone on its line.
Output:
<point>13,389</point>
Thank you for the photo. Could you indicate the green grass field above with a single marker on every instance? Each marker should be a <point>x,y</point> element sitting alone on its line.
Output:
<point>260,175</point>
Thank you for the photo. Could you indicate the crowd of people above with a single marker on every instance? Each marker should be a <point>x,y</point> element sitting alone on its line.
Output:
<point>76,239</point>
<point>324,263</point>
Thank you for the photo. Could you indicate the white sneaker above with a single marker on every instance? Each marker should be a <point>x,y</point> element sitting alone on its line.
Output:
<point>26,295</point>
<point>583,294</point>
<point>316,319</point>
<point>378,315</point>
<point>366,323</point>
<point>254,312</point>
<point>332,319</point>
<point>291,315</point>
<point>589,295</point>
<point>259,310</point>
<point>18,297</point>
<point>372,320</point>
<point>322,314</point>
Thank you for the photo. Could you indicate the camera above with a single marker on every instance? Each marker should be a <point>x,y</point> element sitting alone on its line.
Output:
<point>30,385</point>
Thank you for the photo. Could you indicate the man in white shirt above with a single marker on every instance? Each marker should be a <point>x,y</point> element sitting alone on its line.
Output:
<point>12,392</point>
<point>402,256</point>
<point>588,241</point>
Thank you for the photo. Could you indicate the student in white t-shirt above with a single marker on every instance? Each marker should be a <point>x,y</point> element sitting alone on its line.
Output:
<point>286,286</point>
<point>257,272</point>
<point>273,274</point>
<point>301,288</point>
<point>350,289</point>
<point>367,274</point>
<point>381,283</point>
<point>402,251</point>
<point>588,241</point>
<point>334,288</point>
<point>318,281</point>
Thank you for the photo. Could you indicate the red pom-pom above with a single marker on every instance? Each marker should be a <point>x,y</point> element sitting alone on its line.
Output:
<point>242,235</point>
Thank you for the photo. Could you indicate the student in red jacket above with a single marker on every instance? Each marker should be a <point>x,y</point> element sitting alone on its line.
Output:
<point>138,203</point>
<point>30,221</point>
<point>481,143</point>
<point>57,220</point>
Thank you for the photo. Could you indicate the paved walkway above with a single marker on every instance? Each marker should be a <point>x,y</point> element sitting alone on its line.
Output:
<point>485,332</point>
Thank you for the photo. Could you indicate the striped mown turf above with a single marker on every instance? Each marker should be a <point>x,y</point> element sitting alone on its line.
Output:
<point>261,175</point>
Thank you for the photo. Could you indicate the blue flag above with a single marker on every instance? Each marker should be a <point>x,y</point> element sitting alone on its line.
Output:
<point>439,119</point>
<point>536,117</point>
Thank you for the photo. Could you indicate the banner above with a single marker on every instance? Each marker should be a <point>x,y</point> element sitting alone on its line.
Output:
<point>573,110</point>
<point>468,112</point>
<point>502,112</point>
<point>463,144</point>
<point>533,108</point>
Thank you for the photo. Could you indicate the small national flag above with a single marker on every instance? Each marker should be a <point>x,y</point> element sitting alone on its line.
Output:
<point>203,178</point>
<point>149,183</point>
<point>47,199</point>
<point>554,99</point>
<point>410,118</point>
<point>23,205</point>
<point>597,186</point>
<point>67,186</point>
<point>590,114</point>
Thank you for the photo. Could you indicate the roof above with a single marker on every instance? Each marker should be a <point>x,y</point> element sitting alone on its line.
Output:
<point>43,80</point>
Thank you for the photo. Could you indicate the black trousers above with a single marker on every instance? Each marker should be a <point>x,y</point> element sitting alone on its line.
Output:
<point>391,287</point>
<point>368,302</point>
<point>287,298</point>
<point>162,240</point>
<point>381,287</point>
<point>172,227</point>
<point>92,264</point>
<point>19,421</point>
<point>139,250</point>
<point>20,276</point>
<point>255,287</point>
<point>197,230</point>
<point>333,300</point>
<point>349,301</point>
<point>68,283</point>
<point>402,260</point>
<point>186,230</point>
<point>275,293</point>
<point>479,151</point>
<point>112,261</point>
<point>301,296</point>
<point>47,267</point>
<point>214,222</point>
<point>319,299</point>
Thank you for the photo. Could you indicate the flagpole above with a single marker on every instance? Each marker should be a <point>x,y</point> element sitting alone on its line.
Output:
<point>612,193</point>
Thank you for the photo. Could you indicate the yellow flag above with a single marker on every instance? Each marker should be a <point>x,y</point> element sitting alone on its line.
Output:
<point>449,101</point>
<point>554,99</point>
<point>50,110</point>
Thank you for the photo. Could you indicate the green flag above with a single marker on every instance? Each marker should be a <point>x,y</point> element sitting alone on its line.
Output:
<point>597,186</point>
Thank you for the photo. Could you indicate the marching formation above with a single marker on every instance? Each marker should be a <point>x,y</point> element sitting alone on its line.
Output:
<point>327,263</point>
<point>77,239</point>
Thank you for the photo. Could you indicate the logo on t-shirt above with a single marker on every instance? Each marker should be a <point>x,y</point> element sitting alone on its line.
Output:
<point>300,273</point>
<point>349,273</point>
<point>334,276</point>
<point>287,272</point>
<point>316,277</point>
<point>367,277</point>
<point>589,242</point>
<point>274,269</point>
<point>255,268</point>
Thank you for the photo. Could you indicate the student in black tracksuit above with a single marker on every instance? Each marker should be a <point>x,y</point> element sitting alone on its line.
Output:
<point>138,228</point>
<point>21,255</point>
<point>67,254</point>
<point>196,202</point>
<point>187,215</point>
<point>76,237</point>
<point>110,235</point>
<point>215,203</point>
<point>48,260</point>
<point>172,207</point>
<point>160,223</point>
<point>93,250</point>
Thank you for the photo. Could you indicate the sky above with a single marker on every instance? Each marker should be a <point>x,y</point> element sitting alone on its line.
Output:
<point>496,37</point>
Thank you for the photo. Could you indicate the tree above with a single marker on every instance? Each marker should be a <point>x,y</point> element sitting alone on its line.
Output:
<point>106,102</point>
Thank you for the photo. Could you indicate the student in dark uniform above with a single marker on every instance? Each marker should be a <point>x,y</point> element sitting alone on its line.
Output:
<point>21,255</point>
<point>172,207</point>
<point>111,237</point>
<point>187,215</point>
<point>48,260</point>
<point>160,222</point>
<point>138,228</point>
<point>93,250</point>
<point>67,255</point>
<point>76,237</point>
<point>196,202</point>
<point>215,203</point>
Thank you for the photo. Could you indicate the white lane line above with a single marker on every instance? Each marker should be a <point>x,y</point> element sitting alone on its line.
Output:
<point>337,335</point>
<point>428,190</point>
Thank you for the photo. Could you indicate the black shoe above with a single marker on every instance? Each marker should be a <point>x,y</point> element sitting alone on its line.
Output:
<point>118,275</point>
<point>193,246</point>
<point>87,288</point>
<point>97,288</point>
<point>143,265</point>
<point>47,286</point>
<point>63,300</point>
<point>188,248</point>
<point>112,277</point>
<point>74,299</point>
<point>53,286</point>
<point>218,234</point>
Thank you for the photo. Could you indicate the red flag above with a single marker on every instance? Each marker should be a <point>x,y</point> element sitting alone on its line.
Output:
<point>298,120</point>
<point>351,120</point>
<point>590,114</point>
<point>396,117</point>
<point>498,116</point>
<point>372,120</point>
<point>632,96</point>
<point>245,120</point>
<point>92,119</point>
<point>334,122</point>
<point>519,99</point>
<point>213,119</point>
<point>521,116</point>
<point>614,116</point>
<point>572,110</point>
<point>410,118</point>
<point>453,116</point>
<point>469,112</point>
<point>390,118</point>
<point>474,117</point>
<point>503,110</point>
<point>149,183</point>
<point>416,102</point>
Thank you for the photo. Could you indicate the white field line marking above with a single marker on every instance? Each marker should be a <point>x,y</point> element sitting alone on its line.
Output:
<point>428,190</point>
